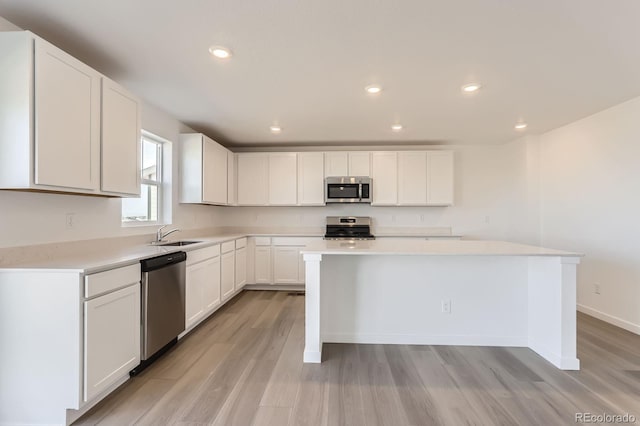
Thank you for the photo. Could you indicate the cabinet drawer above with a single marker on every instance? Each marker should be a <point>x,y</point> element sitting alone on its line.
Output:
<point>196,256</point>
<point>228,246</point>
<point>241,242</point>
<point>263,241</point>
<point>113,279</point>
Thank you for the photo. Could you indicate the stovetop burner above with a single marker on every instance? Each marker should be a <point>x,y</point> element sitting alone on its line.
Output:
<point>348,228</point>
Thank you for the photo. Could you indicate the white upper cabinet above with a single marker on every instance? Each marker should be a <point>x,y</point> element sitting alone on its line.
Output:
<point>214,172</point>
<point>253,179</point>
<point>204,170</point>
<point>336,164</point>
<point>310,178</point>
<point>232,197</point>
<point>341,163</point>
<point>412,178</point>
<point>120,144</point>
<point>283,179</point>
<point>385,178</point>
<point>54,115</point>
<point>359,164</point>
<point>440,178</point>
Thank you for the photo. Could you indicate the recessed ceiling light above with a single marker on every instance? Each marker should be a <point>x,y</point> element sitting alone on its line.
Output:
<point>275,129</point>
<point>471,87</point>
<point>520,126</point>
<point>220,52</point>
<point>396,127</point>
<point>373,89</point>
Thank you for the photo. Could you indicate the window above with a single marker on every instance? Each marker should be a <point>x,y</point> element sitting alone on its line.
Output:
<point>147,209</point>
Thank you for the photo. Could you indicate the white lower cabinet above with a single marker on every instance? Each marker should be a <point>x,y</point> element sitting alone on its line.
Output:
<point>285,265</point>
<point>111,338</point>
<point>241,268</point>
<point>227,280</point>
<point>263,265</point>
<point>202,292</point>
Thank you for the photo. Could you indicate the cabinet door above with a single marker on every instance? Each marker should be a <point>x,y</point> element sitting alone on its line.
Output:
<point>211,289</point>
<point>412,178</point>
<point>385,178</point>
<point>214,172</point>
<point>283,179</point>
<point>241,268</point>
<point>263,265</point>
<point>359,164</point>
<point>310,179</point>
<point>120,144</point>
<point>111,339</point>
<point>194,293</point>
<point>231,179</point>
<point>227,274</point>
<point>253,179</point>
<point>336,164</point>
<point>285,265</point>
<point>67,120</point>
<point>440,178</point>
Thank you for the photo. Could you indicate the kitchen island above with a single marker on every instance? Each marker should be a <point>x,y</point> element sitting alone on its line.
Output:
<point>481,293</point>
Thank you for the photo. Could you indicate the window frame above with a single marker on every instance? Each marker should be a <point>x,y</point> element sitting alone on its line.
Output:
<point>162,145</point>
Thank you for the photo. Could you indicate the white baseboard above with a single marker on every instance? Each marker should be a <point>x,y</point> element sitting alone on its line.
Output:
<point>563,363</point>
<point>619,322</point>
<point>418,339</point>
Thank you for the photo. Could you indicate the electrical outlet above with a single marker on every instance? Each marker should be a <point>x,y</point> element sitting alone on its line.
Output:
<point>446,306</point>
<point>596,288</point>
<point>70,220</point>
<point>421,218</point>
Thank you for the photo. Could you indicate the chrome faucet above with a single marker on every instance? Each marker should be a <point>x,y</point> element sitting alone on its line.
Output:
<point>160,236</point>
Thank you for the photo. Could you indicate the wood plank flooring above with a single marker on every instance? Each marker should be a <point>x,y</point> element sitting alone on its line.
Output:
<point>244,366</point>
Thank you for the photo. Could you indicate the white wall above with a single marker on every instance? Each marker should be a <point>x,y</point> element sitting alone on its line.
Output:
<point>590,186</point>
<point>487,203</point>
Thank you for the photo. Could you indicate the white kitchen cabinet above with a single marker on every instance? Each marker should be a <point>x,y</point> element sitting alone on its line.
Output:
<point>341,163</point>
<point>262,265</point>
<point>440,179</point>
<point>202,289</point>
<point>412,178</point>
<point>253,179</point>
<point>385,178</point>
<point>359,163</point>
<point>50,115</point>
<point>120,140</point>
<point>311,179</point>
<point>203,170</point>
<point>111,338</point>
<point>241,268</point>
<point>336,163</point>
<point>227,274</point>
<point>283,177</point>
<point>285,265</point>
<point>232,191</point>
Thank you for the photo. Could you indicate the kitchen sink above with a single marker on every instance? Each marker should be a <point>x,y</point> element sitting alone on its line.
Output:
<point>179,243</point>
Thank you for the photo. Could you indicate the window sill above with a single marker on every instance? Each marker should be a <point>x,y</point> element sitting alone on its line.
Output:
<point>133,224</point>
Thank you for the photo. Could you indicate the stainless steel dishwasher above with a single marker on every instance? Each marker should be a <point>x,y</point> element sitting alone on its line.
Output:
<point>163,305</point>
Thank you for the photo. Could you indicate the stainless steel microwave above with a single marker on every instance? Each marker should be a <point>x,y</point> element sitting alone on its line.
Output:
<point>348,189</point>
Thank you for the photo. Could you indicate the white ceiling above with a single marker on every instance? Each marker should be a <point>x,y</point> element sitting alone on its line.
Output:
<point>304,64</point>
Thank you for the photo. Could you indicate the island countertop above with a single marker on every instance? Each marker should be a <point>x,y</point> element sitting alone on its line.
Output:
<point>390,246</point>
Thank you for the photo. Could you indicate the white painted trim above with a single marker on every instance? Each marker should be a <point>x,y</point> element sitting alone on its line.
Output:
<point>425,339</point>
<point>619,322</point>
<point>562,363</point>
<point>313,357</point>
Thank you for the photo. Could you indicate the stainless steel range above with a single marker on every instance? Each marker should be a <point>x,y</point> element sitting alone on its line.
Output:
<point>348,228</point>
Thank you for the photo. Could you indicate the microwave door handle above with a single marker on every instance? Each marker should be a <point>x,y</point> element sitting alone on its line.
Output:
<point>360,192</point>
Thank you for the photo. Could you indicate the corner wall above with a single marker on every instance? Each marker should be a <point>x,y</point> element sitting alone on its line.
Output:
<point>590,203</point>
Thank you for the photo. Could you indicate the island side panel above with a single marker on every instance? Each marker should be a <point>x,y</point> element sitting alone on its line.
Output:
<point>313,320</point>
<point>397,299</point>
<point>552,309</point>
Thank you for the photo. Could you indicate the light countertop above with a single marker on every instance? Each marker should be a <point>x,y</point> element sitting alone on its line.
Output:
<point>412,246</point>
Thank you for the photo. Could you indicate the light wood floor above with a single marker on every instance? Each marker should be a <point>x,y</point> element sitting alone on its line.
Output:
<point>244,367</point>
